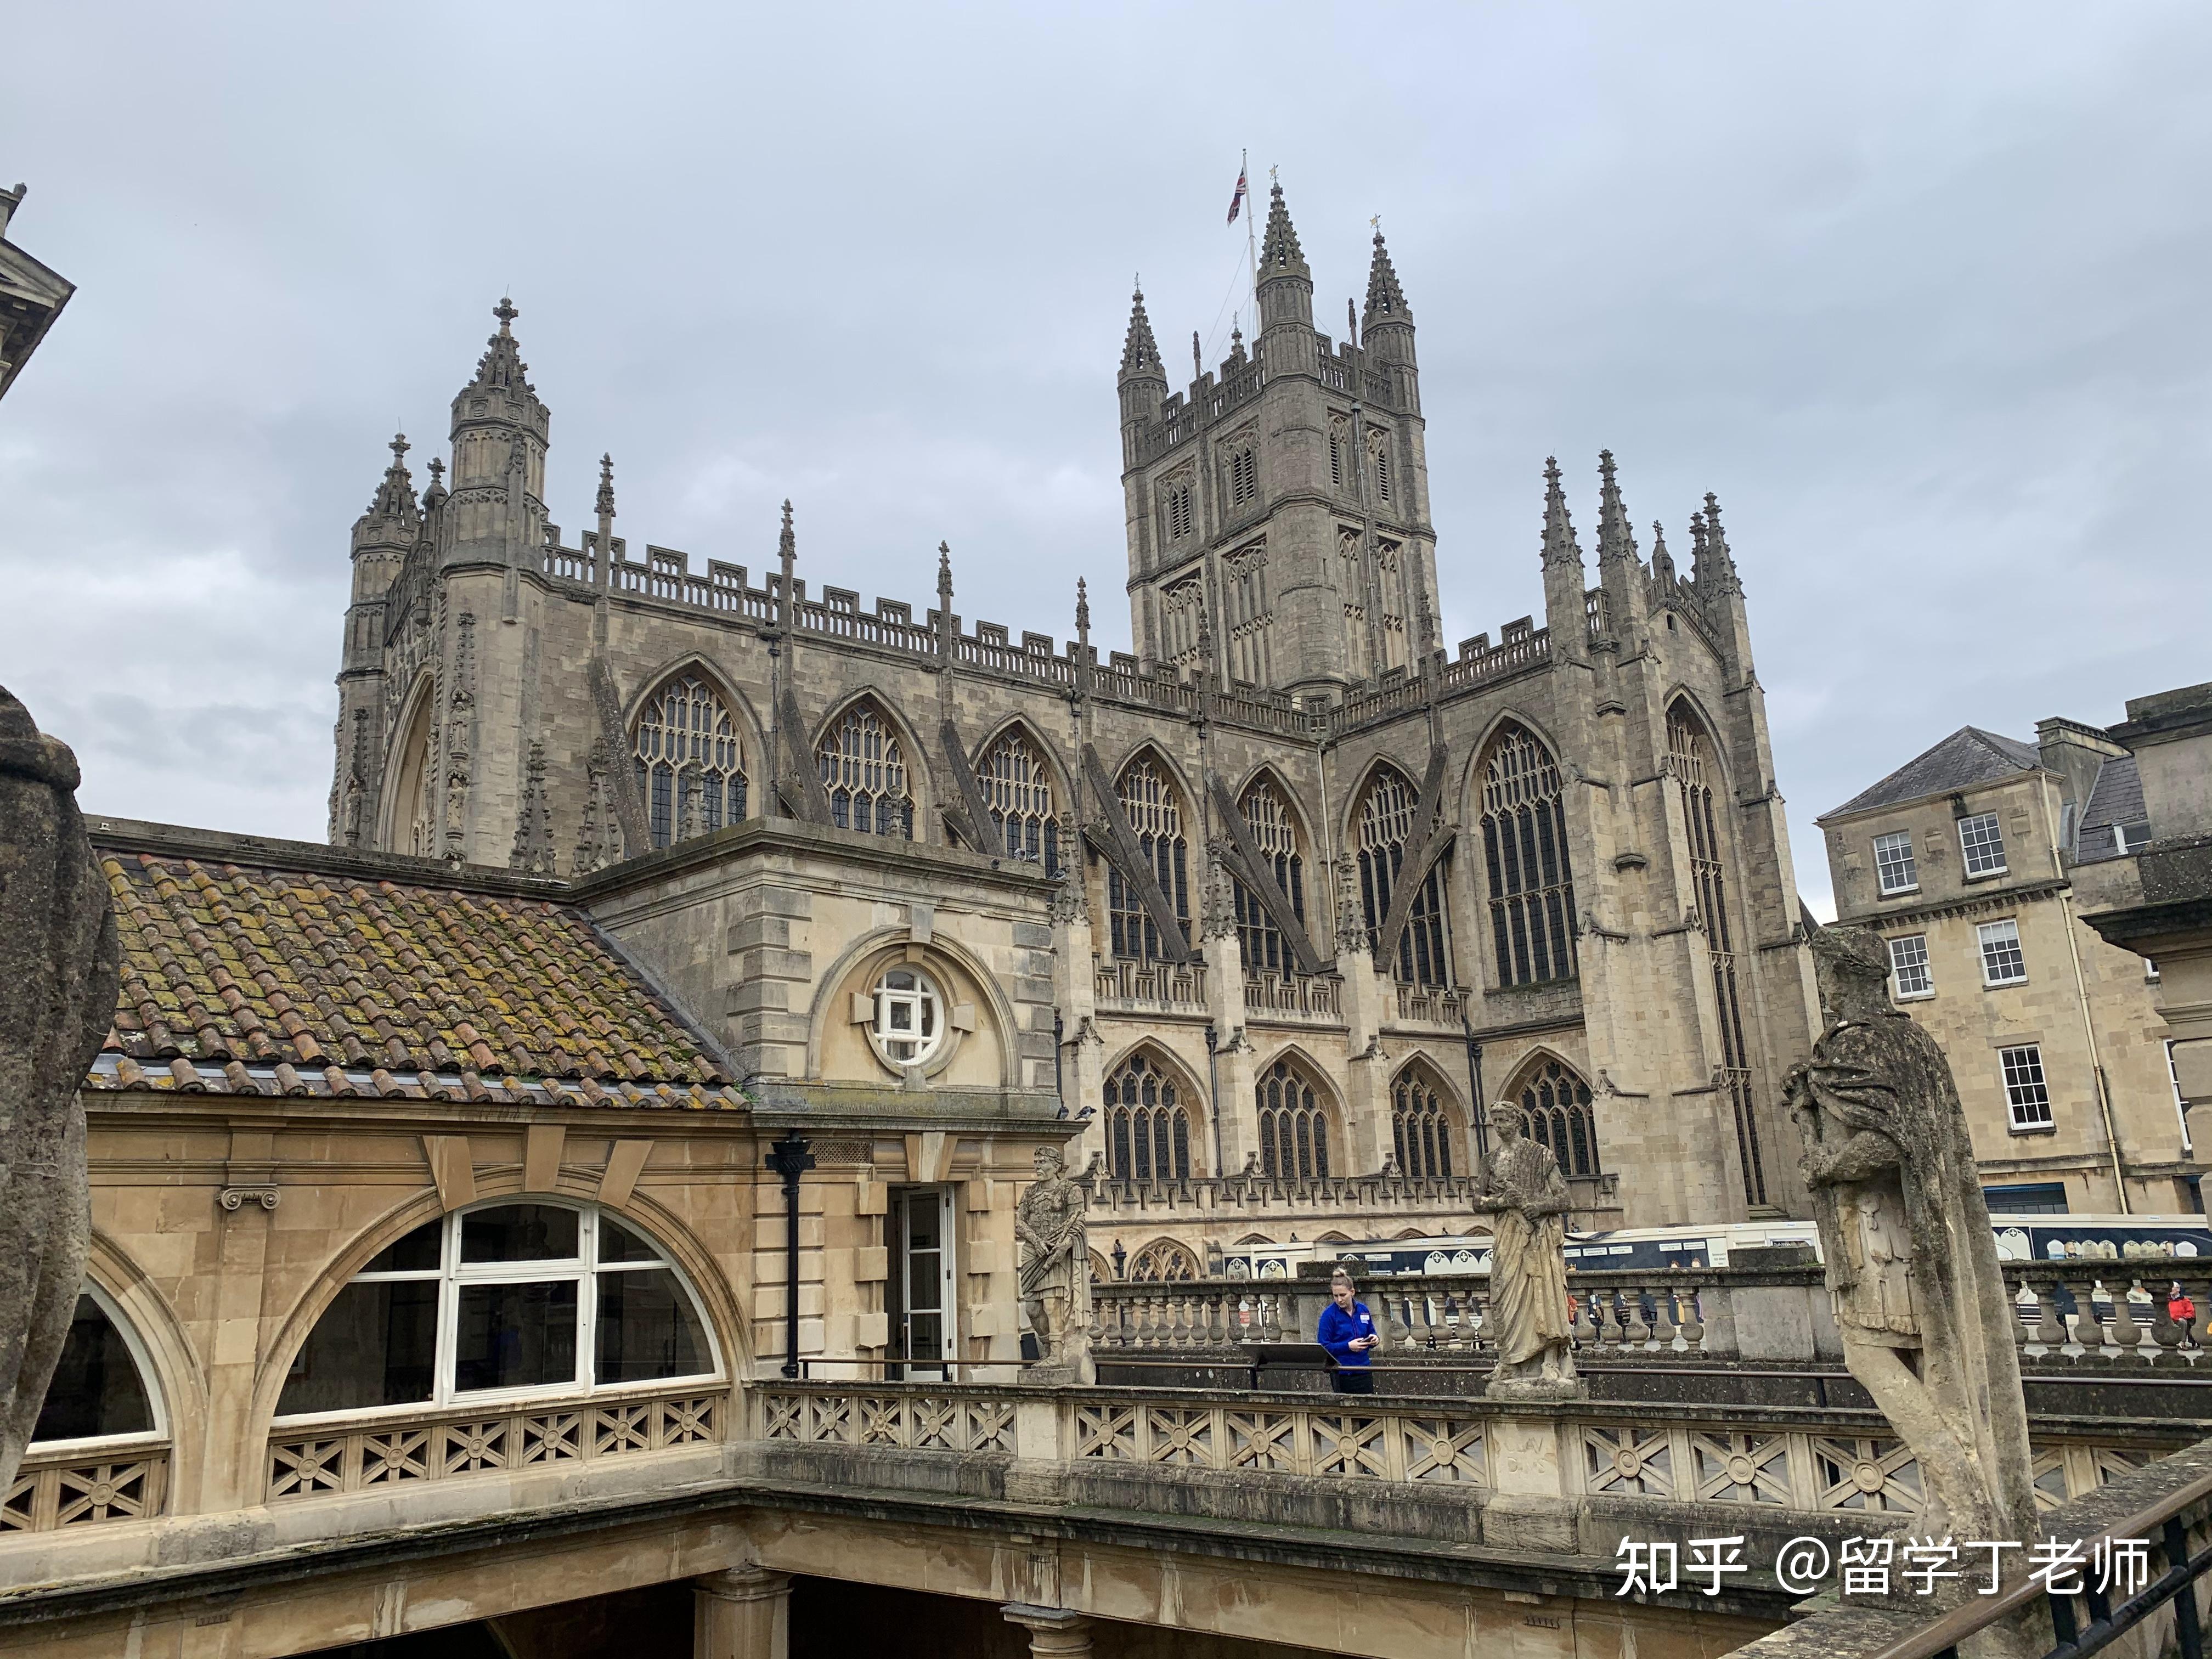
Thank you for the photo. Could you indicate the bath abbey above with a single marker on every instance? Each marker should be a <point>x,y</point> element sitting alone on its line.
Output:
<point>1301,883</point>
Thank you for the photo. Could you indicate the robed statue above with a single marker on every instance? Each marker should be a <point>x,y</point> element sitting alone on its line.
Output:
<point>59,963</point>
<point>1526,1198</point>
<point>1055,1270</point>
<point>1921,1305</point>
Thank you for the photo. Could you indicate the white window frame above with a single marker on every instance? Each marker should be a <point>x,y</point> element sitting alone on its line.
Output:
<point>2180,1100</point>
<point>927,1004</point>
<point>148,1379</point>
<point>1967,851</point>
<point>1990,932</point>
<point>948,1279</point>
<point>2040,1082</point>
<point>1927,986</point>
<point>584,1267</point>
<point>1898,839</point>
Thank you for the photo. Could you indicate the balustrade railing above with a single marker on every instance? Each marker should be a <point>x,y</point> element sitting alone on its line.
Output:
<point>1293,994</point>
<point>1431,1004</point>
<point>53,1490</point>
<point>1345,1199</point>
<point>2086,1310</point>
<point>1179,985</point>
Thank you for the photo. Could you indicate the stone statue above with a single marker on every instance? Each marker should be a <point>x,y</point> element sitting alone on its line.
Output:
<point>59,964</point>
<point>1526,1198</point>
<point>1912,1264</point>
<point>1055,1273</point>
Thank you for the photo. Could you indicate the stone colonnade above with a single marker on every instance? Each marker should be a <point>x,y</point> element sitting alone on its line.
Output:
<point>745,1612</point>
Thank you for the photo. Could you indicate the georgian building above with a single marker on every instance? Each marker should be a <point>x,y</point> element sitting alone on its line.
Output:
<point>1322,883</point>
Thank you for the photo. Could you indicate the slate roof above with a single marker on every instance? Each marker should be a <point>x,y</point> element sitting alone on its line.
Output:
<point>2115,800</point>
<point>1968,756</point>
<point>342,977</point>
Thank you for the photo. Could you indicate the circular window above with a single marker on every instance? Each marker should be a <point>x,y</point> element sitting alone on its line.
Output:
<point>909,1023</point>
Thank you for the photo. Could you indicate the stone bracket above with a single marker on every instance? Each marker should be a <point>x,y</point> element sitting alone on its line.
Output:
<point>1117,843</point>
<point>234,1199</point>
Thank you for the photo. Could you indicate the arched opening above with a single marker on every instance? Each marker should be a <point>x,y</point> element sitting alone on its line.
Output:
<point>101,1389</point>
<point>1274,830</point>
<point>1696,774</point>
<point>1163,1261</point>
<point>1294,1127</point>
<point>413,818</point>
<point>690,759</point>
<point>864,772</point>
<point>1148,1122</point>
<point>506,1299</point>
<point>1385,831</point>
<point>1016,789</point>
<point>1154,808</point>
<point>1421,1131</point>
<point>1524,851</point>
<point>1555,1112</point>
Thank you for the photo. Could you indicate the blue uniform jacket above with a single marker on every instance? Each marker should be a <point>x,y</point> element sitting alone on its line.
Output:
<point>1336,1329</point>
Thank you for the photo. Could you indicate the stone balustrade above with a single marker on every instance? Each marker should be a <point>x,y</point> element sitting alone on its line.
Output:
<point>1177,988</point>
<point>58,1489</point>
<point>2078,1311</point>
<point>1342,1198</point>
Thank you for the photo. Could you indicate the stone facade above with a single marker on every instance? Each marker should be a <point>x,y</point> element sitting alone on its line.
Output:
<point>1974,862</point>
<point>1320,875</point>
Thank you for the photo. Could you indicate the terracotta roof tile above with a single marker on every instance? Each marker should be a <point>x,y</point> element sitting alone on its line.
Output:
<point>250,978</point>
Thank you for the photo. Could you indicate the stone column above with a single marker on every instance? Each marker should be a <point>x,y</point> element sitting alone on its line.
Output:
<point>1053,1631</point>
<point>741,1613</point>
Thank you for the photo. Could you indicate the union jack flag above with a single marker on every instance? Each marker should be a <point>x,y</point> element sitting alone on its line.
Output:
<point>1236,200</point>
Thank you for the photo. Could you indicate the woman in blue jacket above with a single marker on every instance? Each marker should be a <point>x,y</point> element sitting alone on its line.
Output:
<point>1348,1331</point>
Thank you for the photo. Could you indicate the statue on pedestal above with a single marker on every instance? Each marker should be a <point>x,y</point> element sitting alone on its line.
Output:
<point>1056,1271</point>
<point>59,964</point>
<point>1526,1198</point>
<point>1925,1316</point>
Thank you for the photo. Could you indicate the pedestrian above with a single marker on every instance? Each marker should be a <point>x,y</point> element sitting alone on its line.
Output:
<point>1347,1330</point>
<point>2182,1311</point>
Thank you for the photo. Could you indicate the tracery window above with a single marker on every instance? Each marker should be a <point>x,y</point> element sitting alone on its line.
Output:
<point>1555,1112</point>
<point>534,1296</point>
<point>1163,1261</point>
<point>1275,833</point>
<point>1420,1127</point>
<point>1690,751</point>
<point>1147,1125</point>
<point>686,740</point>
<point>1017,793</point>
<point>1150,803</point>
<point>1387,825</point>
<point>864,771</point>
<point>1293,1124</point>
<point>1524,850</point>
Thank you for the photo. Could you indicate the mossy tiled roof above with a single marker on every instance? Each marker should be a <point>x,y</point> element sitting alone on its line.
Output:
<point>257,979</point>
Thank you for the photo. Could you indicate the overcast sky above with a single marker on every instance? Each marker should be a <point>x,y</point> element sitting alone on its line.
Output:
<point>1918,290</point>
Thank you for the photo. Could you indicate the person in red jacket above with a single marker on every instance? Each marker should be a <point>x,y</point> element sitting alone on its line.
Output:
<point>2183,1312</point>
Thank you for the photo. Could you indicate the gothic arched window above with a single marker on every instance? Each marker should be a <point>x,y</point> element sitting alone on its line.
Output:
<point>865,773</point>
<point>1382,467</point>
<point>1017,793</point>
<point>1275,833</point>
<point>685,741</point>
<point>1147,1126</point>
<point>1178,511</point>
<point>1150,803</point>
<point>415,806</point>
<point>1689,750</point>
<point>1524,848</point>
<point>1293,1124</point>
<point>1163,1261</point>
<point>1555,1110</point>
<point>1244,477</point>
<point>1386,830</point>
<point>1421,1127</point>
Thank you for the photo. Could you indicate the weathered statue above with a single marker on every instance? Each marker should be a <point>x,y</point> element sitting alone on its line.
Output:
<point>1912,1263</point>
<point>1526,1198</point>
<point>58,969</point>
<point>1055,1274</point>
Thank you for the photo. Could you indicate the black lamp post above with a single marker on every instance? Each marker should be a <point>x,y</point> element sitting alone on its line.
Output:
<point>790,1158</point>
<point>1481,1112</point>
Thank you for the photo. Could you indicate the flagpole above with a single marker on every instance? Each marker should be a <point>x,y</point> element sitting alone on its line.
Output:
<point>1251,242</point>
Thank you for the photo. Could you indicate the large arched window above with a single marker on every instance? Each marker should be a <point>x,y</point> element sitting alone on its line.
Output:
<point>1018,792</point>
<point>1293,1123</point>
<point>685,740</point>
<point>1421,1125</point>
<point>1147,1124</point>
<point>1386,831</point>
<point>1275,833</point>
<point>864,772</point>
<point>1555,1111</point>
<point>415,795</point>
<point>1689,748</point>
<point>1149,801</point>
<point>1163,1261</point>
<point>515,1298</point>
<point>1524,849</point>
<point>100,1390</point>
